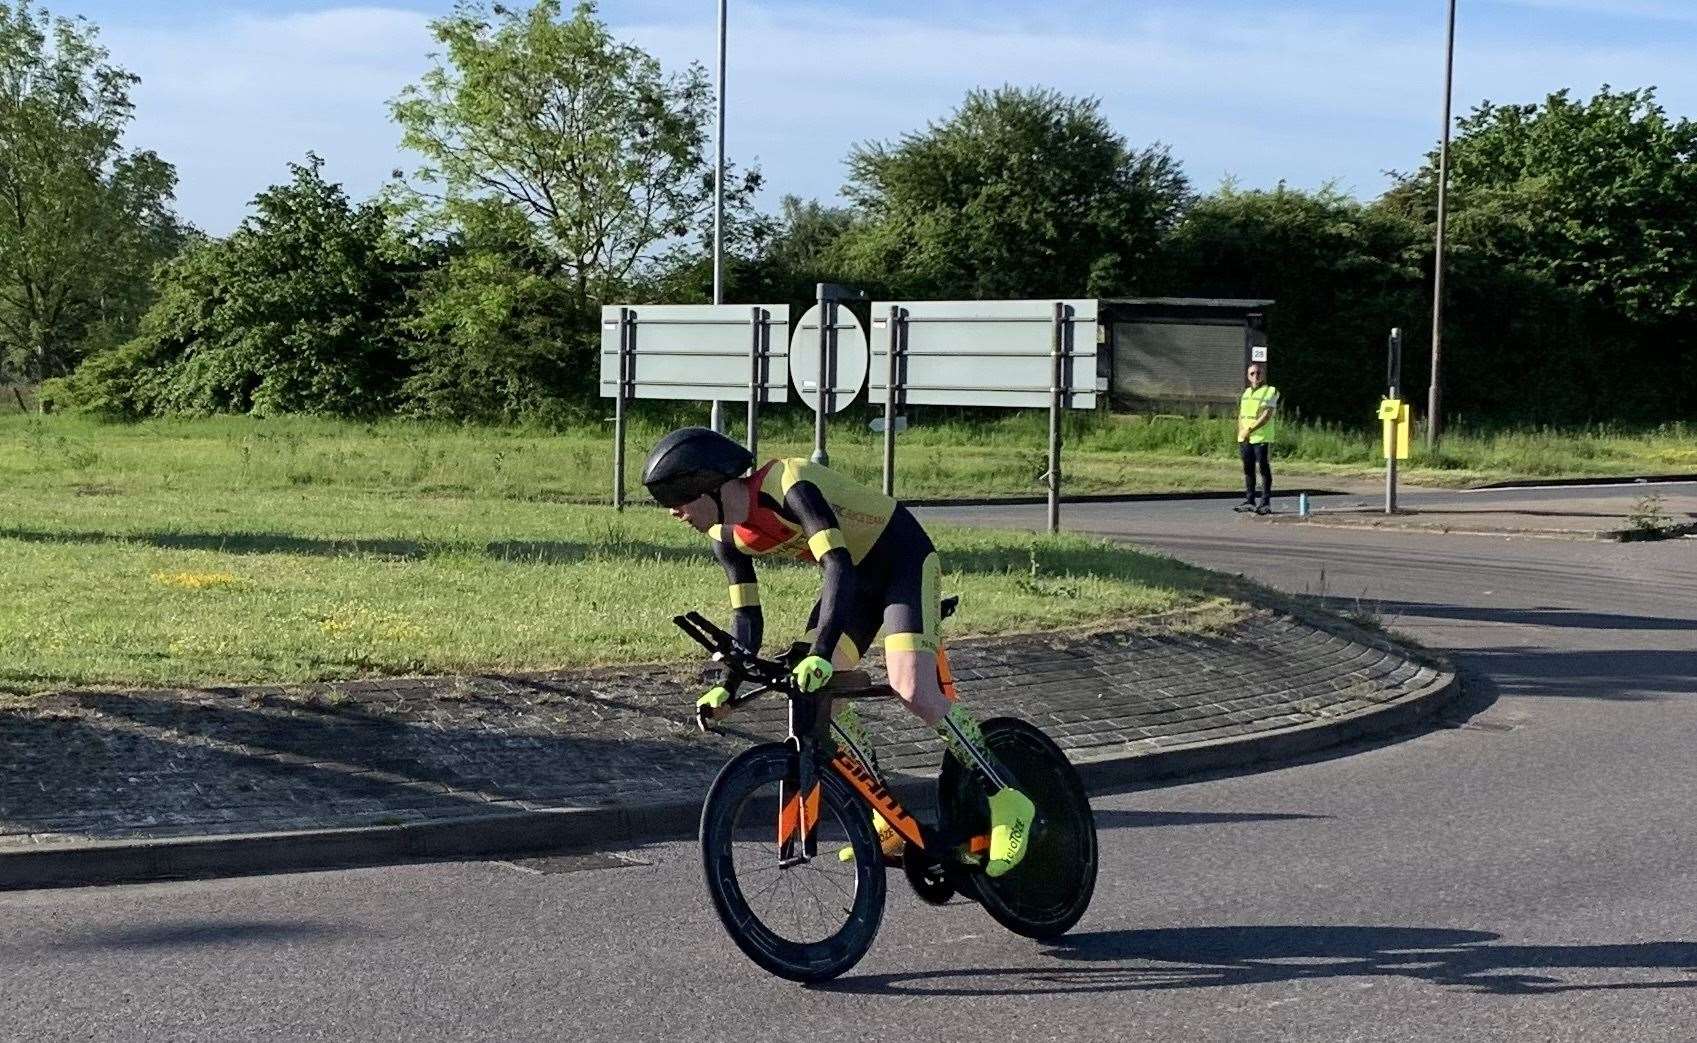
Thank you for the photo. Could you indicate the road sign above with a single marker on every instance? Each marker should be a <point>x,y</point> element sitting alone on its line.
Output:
<point>847,359</point>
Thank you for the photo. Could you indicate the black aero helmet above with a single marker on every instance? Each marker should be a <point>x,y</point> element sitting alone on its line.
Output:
<point>691,461</point>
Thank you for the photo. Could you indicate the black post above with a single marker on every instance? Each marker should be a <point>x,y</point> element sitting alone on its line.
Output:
<point>1057,379</point>
<point>1393,381</point>
<point>891,382</point>
<point>627,336</point>
<point>758,337</point>
<point>823,401</point>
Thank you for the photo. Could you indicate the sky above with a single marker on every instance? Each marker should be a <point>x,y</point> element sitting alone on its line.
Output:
<point>1303,91</point>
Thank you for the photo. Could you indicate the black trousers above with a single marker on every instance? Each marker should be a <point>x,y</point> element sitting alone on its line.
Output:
<point>1256,456</point>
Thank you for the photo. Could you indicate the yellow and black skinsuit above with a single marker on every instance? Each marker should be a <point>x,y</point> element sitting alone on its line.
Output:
<point>881,569</point>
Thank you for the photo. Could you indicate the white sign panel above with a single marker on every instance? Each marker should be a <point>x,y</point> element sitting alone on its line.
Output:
<point>698,352</point>
<point>986,353</point>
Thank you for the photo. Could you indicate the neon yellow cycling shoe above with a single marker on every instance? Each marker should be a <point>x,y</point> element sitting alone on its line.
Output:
<point>889,841</point>
<point>1011,816</point>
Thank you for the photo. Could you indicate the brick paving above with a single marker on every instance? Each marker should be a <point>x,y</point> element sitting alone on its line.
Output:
<point>127,765</point>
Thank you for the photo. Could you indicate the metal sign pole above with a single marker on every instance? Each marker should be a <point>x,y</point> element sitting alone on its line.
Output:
<point>716,419</point>
<point>821,399</point>
<point>760,332</point>
<point>1393,380</point>
<point>1057,377</point>
<point>627,335</point>
<point>890,385</point>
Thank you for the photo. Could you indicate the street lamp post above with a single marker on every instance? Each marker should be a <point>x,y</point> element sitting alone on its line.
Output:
<point>1433,396</point>
<point>717,420</point>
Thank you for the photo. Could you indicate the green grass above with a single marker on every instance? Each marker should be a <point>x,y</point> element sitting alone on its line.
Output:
<point>233,549</point>
<point>155,556</point>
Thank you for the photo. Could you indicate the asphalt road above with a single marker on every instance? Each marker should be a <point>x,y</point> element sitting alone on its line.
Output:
<point>1526,873</point>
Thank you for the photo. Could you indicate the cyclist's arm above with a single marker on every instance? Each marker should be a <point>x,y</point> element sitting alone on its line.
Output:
<point>748,624</point>
<point>825,540</point>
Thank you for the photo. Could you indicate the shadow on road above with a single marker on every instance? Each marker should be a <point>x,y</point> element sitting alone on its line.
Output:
<point>1207,957</point>
<point>1114,818</point>
<point>194,933</point>
<point>1538,617</point>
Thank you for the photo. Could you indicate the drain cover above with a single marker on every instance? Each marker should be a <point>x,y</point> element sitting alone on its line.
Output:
<point>553,865</point>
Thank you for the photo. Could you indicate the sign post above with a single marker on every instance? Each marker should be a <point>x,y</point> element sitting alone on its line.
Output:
<point>1057,391</point>
<point>622,392</point>
<point>838,373</point>
<point>1391,413</point>
<point>892,382</point>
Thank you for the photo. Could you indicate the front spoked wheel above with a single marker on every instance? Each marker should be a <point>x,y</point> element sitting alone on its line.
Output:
<point>805,920</point>
<point>1047,893</point>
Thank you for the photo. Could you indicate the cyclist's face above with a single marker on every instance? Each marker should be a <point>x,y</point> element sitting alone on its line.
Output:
<point>702,513</point>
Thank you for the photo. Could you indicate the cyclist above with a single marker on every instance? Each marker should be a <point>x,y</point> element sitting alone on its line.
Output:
<point>881,573</point>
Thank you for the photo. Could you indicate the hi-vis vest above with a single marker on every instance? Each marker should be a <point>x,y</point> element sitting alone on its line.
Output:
<point>1249,407</point>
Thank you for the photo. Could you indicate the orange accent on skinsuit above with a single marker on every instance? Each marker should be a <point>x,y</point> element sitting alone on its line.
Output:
<point>766,530</point>
<point>787,817</point>
<point>978,845</point>
<point>946,677</point>
<point>876,795</point>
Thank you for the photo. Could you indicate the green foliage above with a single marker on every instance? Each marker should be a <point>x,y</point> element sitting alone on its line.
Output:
<point>564,170</point>
<point>1573,266</point>
<point>802,251</point>
<point>495,338</point>
<point>1020,193</point>
<point>528,116</point>
<point>85,221</point>
<point>293,313</point>
<point>1597,197</point>
<point>1340,274</point>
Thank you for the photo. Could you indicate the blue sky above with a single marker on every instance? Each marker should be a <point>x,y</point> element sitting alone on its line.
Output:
<point>1303,91</point>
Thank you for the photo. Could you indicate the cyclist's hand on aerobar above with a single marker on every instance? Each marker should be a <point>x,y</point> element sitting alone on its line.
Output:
<point>712,705</point>
<point>812,673</point>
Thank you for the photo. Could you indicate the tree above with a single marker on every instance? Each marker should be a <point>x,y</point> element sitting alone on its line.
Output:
<point>803,249</point>
<point>492,335</point>
<point>556,123</point>
<point>1599,197</point>
<point>296,312</point>
<point>83,222</point>
<point>1340,274</point>
<point>1572,276</point>
<point>1018,193</point>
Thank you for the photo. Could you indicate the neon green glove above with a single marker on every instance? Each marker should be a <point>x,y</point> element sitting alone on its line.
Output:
<point>812,673</point>
<point>711,707</point>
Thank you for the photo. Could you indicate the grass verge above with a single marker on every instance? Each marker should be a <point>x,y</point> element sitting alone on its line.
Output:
<point>162,588</point>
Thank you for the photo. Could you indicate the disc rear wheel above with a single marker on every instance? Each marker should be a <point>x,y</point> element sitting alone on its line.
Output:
<point>1051,887</point>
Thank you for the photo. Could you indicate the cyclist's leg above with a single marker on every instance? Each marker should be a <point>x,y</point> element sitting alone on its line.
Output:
<point>911,620</point>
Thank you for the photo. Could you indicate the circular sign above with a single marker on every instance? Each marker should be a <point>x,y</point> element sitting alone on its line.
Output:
<point>846,359</point>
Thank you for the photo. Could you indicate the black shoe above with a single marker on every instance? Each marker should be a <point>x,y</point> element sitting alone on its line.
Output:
<point>1265,508</point>
<point>1245,507</point>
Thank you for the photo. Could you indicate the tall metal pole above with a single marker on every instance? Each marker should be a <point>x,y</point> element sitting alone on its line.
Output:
<point>1434,416</point>
<point>718,417</point>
